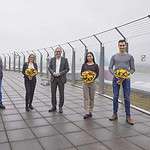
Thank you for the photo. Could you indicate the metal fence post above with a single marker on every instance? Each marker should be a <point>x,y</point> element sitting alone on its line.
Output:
<point>24,57</point>
<point>73,71</point>
<point>19,67</point>
<point>28,52</point>
<point>86,50</point>
<point>53,50</point>
<point>127,46</point>
<point>9,62</point>
<point>47,61</point>
<point>101,66</point>
<point>41,62</point>
<point>14,62</point>
<point>4,62</point>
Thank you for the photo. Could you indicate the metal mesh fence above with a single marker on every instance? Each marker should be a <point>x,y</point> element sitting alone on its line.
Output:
<point>103,45</point>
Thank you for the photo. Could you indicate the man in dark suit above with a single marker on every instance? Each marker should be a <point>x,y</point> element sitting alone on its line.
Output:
<point>58,68</point>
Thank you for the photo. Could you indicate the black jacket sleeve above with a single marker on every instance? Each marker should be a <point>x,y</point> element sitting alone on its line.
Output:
<point>66,68</point>
<point>24,68</point>
<point>50,66</point>
<point>1,68</point>
<point>82,69</point>
<point>97,70</point>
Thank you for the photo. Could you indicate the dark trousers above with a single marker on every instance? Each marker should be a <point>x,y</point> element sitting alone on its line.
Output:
<point>30,87</point>
<point>126,93</point>
<point>54,84</point>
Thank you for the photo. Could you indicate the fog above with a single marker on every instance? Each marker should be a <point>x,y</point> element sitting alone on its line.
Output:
<point>33,24</point>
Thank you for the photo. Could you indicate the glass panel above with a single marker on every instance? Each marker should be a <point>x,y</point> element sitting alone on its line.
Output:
<point>17,65</point>
<point>44,63</point>
<point>21,60</point>
<point>139,48</point>
<point>68,55</point>
<point>38,56</point>
<point>79,59</point>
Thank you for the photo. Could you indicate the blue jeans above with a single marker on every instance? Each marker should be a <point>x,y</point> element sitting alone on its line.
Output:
<point>0,91</point>
<point>126,93</point>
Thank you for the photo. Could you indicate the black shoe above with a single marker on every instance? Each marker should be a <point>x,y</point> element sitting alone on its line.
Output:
<point>52,110</point>
<point>27,109</point>
<point>86,116</point>
<point>31,107</point>
<point>60,110</point>
<point>2,106</point>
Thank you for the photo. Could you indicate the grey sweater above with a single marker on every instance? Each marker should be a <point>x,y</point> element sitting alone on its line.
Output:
<point>1,69</point>
<point>125,61</point>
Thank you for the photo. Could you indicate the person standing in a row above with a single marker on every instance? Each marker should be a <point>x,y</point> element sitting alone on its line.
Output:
<point>122,61</point>
<point>1,77</point>
<point>58,68</point>
<point>30,70</point>
<point>89,87</point>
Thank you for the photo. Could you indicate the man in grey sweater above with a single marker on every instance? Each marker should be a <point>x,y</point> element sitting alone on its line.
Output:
<point>1,77</point>
<point>122,60</point>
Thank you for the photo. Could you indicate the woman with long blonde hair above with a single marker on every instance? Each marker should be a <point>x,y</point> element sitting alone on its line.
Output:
<point>30,70</point>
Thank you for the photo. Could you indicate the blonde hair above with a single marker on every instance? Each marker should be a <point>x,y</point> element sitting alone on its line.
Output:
<point>34,59</point>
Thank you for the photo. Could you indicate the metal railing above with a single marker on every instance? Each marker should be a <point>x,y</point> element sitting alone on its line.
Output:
<point>103,45</point>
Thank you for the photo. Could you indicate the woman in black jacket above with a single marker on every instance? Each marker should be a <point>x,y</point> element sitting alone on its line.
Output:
<point>29,81</point>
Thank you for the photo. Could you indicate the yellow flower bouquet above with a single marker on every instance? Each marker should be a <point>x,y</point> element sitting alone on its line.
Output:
<point>88,76</point>
<point>121,75</point>
<point>31,72</point>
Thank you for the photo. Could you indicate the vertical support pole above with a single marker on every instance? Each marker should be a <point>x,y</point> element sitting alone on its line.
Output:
<point>47,61</point>
<point>9,62</point>
<point>86,50</point>
<point>14,64</point>
<point>19,67</point>
<point>127,48</point>
<point>24,58</point>
<point>53,50</point>
<point>101,66</point>
<point>28,52</point>
<point>41,62</point>
<point>4,62</point>
<point>73,70</point>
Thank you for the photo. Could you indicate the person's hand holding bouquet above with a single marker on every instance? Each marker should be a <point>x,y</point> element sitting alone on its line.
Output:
<point>121,75</point>
<point>30,72</point>
<point>88,76</point>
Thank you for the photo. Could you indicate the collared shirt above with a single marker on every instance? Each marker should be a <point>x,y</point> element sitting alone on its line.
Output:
<point>31,65</point>
<point>58,64</point>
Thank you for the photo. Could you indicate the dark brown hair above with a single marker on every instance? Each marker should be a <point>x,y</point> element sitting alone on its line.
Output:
<point>86,60</point>
<point>122,41</point>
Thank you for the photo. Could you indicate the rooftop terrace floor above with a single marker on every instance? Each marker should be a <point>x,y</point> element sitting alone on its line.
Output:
<point>41,130</point>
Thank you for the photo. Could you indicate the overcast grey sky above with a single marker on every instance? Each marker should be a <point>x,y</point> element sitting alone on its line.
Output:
<point>32,24</point>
